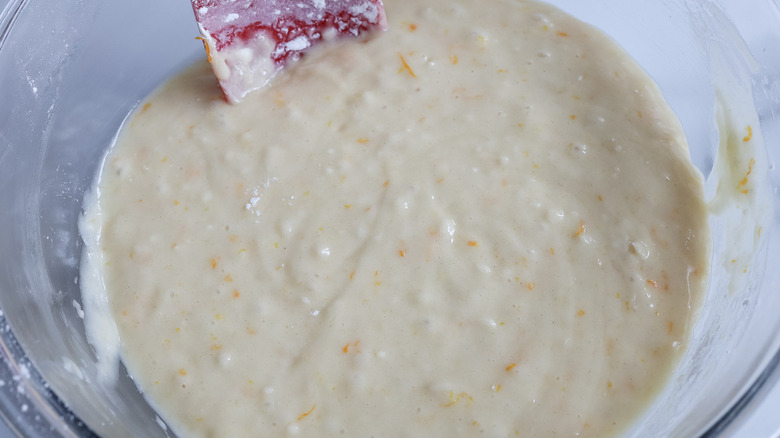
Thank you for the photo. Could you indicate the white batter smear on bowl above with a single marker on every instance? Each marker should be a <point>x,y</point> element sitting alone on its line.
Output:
<point>482,221</point>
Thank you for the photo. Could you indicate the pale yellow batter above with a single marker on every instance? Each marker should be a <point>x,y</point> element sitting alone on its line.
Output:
<point>482,221</point>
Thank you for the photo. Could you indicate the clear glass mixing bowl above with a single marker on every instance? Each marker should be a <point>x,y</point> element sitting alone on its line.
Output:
<point>71,71</point>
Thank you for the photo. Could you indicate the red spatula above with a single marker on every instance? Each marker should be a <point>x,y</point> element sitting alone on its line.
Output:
<point>249,41</point>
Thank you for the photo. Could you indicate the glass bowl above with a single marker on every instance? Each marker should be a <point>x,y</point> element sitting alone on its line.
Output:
<point>71,72</point>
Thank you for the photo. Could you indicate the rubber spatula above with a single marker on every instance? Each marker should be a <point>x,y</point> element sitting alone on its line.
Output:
<point>250,41</point>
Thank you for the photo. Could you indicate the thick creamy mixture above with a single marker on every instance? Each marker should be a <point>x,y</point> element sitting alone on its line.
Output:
<point>481,221</point>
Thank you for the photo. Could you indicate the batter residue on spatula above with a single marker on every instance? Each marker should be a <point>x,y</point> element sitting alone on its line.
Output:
<point>248,42</point>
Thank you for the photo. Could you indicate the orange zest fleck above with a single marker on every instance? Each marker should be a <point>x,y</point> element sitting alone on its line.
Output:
<point>279,99</point>
<point>743,182</point>
<point>455,399</point>
<point>146,106</point>
<point>454,59</point>
<point>306,414</point>
<point>749,134</point>
<point>205,46</point>
<point>473,243</point>
<point>347,205</point>
<point>580,312</point>
<point>412,27</point>
<point>652,283</point>
<point>510,366</point>
<point>228,278</point>
<point>405,66</point>
<point>183,372</point>
<point>562,34</point>
<point>362,140</point>
<point>580,230</point>
<point>236,293</point>
<point>572,117</point>
<point>355,345</point>
<point>531,285</point>
<point>401,253</point>
<point>213,263</point>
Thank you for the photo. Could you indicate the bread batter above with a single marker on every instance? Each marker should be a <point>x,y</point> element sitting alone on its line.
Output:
<point>481,221</point>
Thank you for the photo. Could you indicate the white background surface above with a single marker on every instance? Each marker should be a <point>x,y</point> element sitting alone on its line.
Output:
<point>760,419</point>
